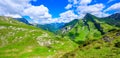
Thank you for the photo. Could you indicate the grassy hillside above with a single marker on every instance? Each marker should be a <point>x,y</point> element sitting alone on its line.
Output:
<point>106,47</point>
<point>89,28</point>
<point>18,40</point>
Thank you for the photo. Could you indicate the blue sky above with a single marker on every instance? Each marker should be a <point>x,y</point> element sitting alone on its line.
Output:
<point>58,6</point>
<point>57,11</point>
<point>55,6</point>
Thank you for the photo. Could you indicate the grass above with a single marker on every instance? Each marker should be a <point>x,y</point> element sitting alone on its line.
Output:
<point>18,40</point>
<point>98,49</point>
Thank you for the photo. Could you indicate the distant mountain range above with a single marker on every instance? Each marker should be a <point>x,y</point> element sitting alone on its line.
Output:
<point>113,19</point>
<point>56,27</point>
<point>52,27</point>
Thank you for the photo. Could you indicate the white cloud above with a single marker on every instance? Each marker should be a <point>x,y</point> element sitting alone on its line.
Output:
<point>40,14</point>
<point>85,2</point>
<point>37,12</point>
<point>68,16</point>
<point>95,9</point>
<point>68,6</point>
<point>115,7</point>
<point>13,15</point>
<point>91,8</point>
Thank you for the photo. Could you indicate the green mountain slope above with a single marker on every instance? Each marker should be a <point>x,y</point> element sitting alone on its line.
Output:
<point>89,28</point>
<point>18,40</point>
<point>106,47</point>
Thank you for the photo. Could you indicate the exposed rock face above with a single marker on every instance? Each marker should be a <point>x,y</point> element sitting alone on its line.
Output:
<point>43,42</point>
<point>107,39</point>
<point>69,26</point>
<point>66,29</point>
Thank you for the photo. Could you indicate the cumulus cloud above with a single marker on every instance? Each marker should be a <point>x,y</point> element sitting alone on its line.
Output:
<point>68,6</point>
<point>37,12</point>
<point>95,9</point>
<point>115,7</point>
<point>91,8</point>
<point>40,14</point>
<point>68,16</point>
<point>82,7</point>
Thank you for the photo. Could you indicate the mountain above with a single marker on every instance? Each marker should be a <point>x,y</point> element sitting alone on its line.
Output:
<point>115,16</point>
<point>52,27</point>
<point>19,40</point>
<point>88,28</point>
<point>23,20</point>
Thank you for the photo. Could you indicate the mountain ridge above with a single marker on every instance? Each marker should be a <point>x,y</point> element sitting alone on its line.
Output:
<point>89,24</point>
<point>112,19</point>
